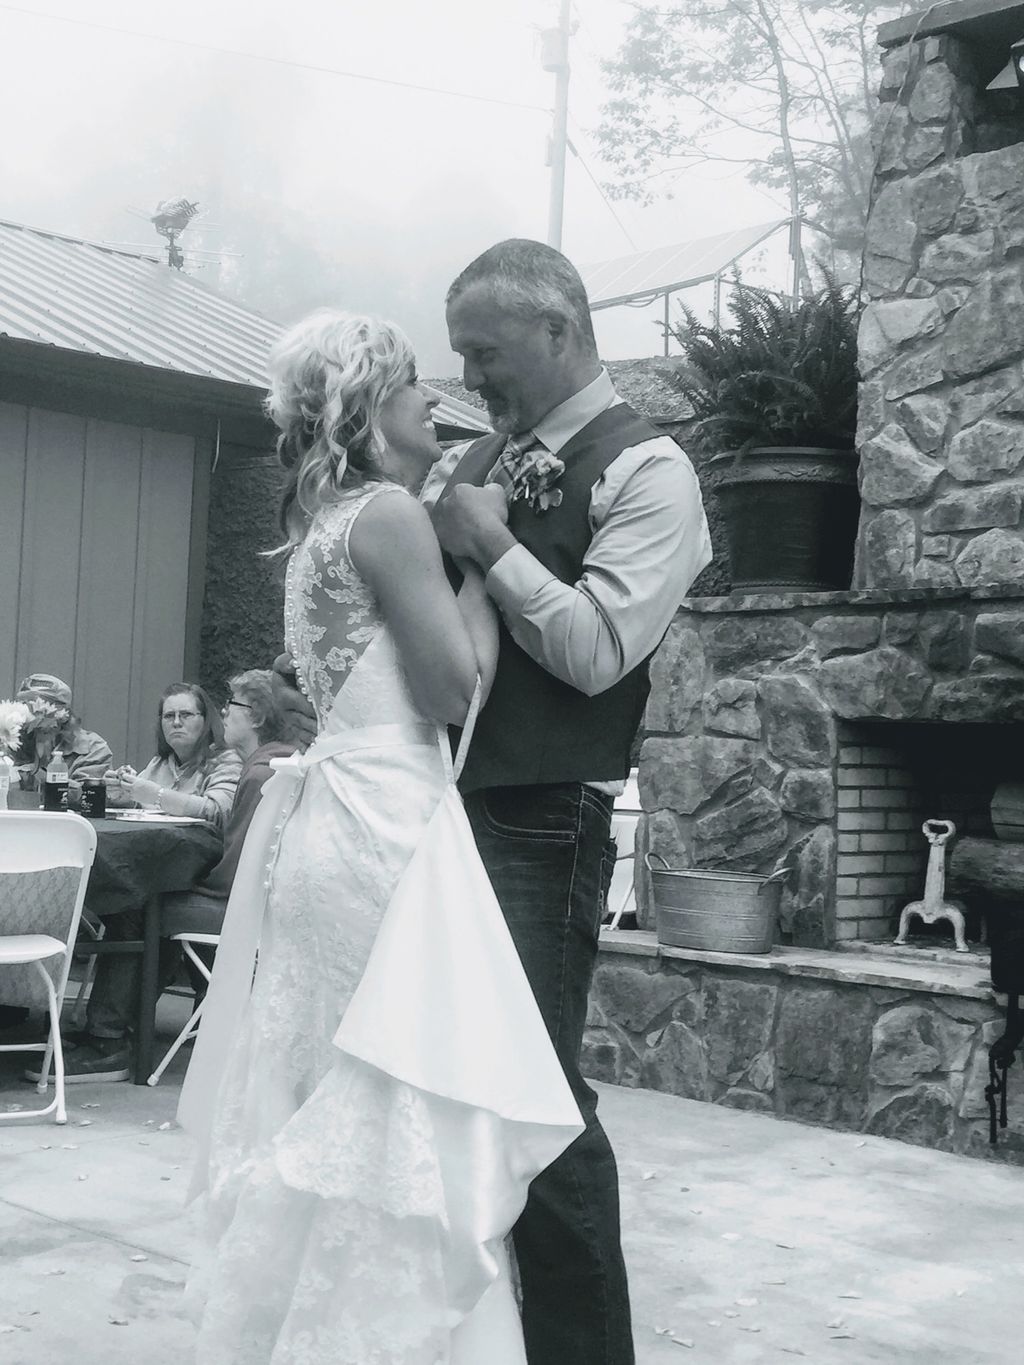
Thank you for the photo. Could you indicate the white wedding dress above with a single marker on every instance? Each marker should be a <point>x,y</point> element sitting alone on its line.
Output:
<point>370,1114</point>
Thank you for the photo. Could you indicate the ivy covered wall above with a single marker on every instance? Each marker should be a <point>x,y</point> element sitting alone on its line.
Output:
<point>243,602</point>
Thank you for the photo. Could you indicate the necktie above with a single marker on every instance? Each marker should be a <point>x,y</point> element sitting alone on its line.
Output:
<point>512,458</point>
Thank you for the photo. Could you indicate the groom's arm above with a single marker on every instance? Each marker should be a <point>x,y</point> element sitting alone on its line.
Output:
<point>650,541</point>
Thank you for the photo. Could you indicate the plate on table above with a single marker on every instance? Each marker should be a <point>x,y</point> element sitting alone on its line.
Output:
<point>157,817</point>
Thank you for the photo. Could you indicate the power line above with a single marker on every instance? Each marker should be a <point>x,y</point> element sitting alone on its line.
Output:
<point>601,191</point>
<point>274,61</point>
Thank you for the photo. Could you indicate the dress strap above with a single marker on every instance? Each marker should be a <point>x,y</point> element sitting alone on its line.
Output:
<point>453,771</point>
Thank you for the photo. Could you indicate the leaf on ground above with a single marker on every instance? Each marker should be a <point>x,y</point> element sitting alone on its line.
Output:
<point>83,1177</point>
<point>94,1104</point>
<point>786,1246</point>
<point>730,1313</point>
<point>143,1142</point>
<point>730,1236</point>
<point>684,1189</point>
<point>836,1322</point>
<point>140,1257</point>
<point>696,1210</point>
<point>714,1322</point>
<point>45,1146</point>
<point>773,1281</point>
<point>851,1294</point>
<point>85,1123</point>
<point>118,1322</point>
<point>748,1327</point>
<point>56,1272</point>
<point>683,1341</point>
<point>862,1143</point>
<point>843,1336</point>
<point>164,1127</point>
<point>69,1146</point>
<point>662,1331</point>
<point>747,1303</point>
<point>792,1350</point>
<point>165,1177</point>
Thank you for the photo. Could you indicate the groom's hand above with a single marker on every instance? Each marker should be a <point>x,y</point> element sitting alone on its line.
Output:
<point>471,523</point>
<point>299,716</point>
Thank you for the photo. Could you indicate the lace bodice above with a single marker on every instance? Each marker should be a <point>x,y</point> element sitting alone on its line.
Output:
<point>332,619</point>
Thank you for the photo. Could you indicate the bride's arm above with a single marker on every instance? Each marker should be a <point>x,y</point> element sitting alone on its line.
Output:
<point>443,644</point>
<point>481,618</point>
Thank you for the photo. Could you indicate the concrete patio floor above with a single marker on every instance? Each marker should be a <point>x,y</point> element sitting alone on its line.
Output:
<point>748,1239</point>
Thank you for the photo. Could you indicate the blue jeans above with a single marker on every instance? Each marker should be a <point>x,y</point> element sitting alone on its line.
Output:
<point>546,850</point>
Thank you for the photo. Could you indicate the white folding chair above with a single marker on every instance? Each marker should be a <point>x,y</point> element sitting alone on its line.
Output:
<point>192,1027</point>
<point>39,917</point>
<point>621,893</point>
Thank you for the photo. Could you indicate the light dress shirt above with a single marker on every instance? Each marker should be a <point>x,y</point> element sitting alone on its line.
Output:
<point>650,541</point>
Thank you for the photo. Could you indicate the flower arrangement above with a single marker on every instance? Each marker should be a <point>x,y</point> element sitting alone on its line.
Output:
<point>534,478</point>
<point>14,715</point>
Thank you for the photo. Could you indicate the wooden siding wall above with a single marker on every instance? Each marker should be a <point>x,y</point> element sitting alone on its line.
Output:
<point>95,531</point>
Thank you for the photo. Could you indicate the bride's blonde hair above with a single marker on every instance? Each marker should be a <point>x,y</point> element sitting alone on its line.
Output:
<point>330,375</point>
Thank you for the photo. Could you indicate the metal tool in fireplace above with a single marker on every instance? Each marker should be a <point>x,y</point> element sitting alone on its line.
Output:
<point>934,907</point>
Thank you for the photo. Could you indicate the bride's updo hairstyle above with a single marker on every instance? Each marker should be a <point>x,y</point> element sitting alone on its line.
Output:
<point>330,375</point>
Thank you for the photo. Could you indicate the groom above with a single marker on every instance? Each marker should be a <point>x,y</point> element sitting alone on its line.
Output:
<point>606,532</point>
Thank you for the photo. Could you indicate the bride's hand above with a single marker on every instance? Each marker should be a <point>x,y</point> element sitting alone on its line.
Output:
<point>497,499</point>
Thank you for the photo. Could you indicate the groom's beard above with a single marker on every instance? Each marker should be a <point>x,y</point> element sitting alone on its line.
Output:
<point>504,414</point>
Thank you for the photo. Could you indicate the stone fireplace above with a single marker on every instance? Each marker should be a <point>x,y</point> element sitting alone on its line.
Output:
<point>823,728</point>
<point>798,726</point>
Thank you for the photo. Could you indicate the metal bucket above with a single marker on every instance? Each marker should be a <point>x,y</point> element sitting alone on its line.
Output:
<point>720,912</point>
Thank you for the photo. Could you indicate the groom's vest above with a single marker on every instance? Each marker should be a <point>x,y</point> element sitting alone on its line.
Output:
<point>535,728</point>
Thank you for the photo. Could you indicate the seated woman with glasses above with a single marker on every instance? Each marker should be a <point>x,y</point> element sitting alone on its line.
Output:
<point>194,772</point>
<point>253,726</point>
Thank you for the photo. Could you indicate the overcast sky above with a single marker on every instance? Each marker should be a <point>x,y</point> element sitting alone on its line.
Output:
<point>330,188</point>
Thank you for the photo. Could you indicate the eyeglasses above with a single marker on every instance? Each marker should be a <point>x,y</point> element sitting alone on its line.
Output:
<point>179,715</point>
<point>243,704</point>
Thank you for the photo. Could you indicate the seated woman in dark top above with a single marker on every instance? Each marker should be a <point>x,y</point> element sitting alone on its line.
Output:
<point>253,725</point>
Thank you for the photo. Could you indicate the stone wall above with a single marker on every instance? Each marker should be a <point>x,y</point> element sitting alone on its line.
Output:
<point>740,763</point>
<point>941,416</point>
<point>868,1053</point>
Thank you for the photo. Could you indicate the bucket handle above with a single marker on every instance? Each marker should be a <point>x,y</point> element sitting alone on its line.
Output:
<point>664,864</point>
<point>780,874</point>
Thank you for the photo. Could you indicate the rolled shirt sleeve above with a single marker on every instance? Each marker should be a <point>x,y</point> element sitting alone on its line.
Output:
<point>650,541</point>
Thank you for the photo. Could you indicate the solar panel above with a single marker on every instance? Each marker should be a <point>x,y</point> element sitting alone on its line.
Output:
<point>648,274</point>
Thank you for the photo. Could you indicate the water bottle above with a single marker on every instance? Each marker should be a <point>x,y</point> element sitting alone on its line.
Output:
<point>55,788</point>
<point>6,779</point>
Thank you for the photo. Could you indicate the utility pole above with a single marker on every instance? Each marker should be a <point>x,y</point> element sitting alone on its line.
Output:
<point>555,57</point>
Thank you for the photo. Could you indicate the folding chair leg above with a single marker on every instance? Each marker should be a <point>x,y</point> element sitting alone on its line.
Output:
<point>189,1031</point>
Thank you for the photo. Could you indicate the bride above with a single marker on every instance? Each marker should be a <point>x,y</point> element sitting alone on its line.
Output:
<point>370,1110</point>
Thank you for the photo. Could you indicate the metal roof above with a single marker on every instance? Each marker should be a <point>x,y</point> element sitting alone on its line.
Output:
<point>649,274</point>
<point>104,301</point>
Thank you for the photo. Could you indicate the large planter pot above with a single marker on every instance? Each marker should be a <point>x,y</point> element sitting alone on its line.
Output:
<point>790,516</point>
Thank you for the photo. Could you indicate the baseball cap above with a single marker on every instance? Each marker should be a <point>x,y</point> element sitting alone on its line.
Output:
<point>46,686</point>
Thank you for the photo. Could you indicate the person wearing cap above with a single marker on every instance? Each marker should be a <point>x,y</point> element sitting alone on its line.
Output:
<point>87,754</point>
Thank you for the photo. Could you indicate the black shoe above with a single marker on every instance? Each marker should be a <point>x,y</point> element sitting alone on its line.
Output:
<point>98,1059</point>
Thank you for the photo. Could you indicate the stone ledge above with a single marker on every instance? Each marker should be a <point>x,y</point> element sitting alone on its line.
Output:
<point>738,603</point>
<point>968,980</point>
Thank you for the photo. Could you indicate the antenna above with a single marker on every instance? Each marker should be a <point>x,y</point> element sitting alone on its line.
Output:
<point>171,218</point>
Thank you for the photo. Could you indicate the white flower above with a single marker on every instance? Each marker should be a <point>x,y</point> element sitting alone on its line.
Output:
<point>13,715</point>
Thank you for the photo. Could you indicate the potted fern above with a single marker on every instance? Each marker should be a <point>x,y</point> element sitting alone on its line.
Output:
<point>776,397</point>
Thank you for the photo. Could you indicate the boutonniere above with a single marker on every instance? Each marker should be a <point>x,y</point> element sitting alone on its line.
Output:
<point>534,481</point>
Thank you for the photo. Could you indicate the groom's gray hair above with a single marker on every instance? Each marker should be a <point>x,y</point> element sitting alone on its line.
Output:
<point>533,280</point>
